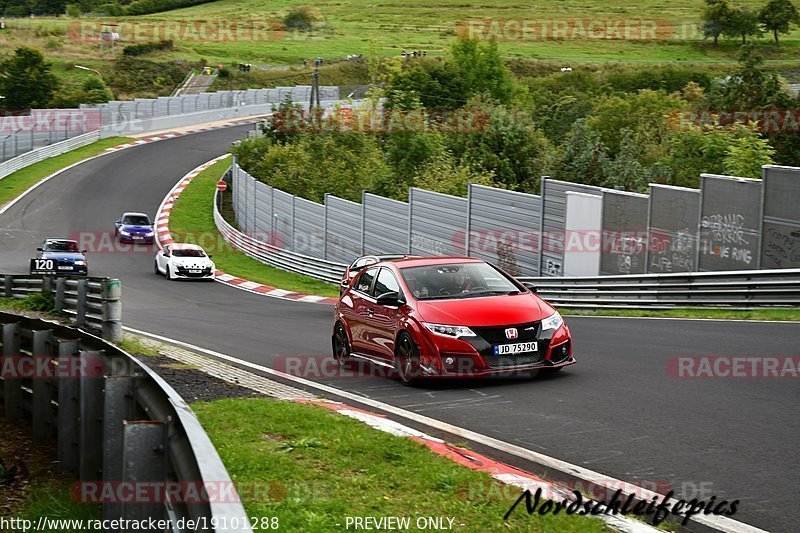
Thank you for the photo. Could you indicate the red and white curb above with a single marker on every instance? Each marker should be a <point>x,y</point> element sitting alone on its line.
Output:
<point>173,134</point>
<point>506,474</point>
<point>164,237</point>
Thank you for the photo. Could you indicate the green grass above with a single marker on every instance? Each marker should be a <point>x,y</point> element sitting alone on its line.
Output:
<point>391,26</point>
<point>785,313</point>
<point>15,184</point>
<point>321,467</point>
<point>50,497</point>
<point>192,220</point>
<point>34,302</point>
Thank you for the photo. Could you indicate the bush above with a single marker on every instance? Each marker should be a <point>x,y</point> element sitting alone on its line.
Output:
<point>146,48</point>
<point>302,18</point>
<point>144,7</point>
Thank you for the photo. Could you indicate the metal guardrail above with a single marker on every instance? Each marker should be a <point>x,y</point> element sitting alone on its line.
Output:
<point>40,154</point>
<point>275,256</point>
<point>736,289</point>
<point>115,422</point>
<point>93,302</point>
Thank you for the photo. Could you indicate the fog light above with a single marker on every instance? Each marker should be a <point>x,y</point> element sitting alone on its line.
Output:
<point>449,361</point>
<point>564,350</point>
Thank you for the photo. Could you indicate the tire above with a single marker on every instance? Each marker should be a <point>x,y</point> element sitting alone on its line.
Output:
<point>340,345</point>
<point>407,360</point>
<point>155,268</point>
<point>168,271</point>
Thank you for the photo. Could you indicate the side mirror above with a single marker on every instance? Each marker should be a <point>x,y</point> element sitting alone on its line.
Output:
<point>210,256</point>
<point>390,298</point>
<point>84,251</point>
<point>532,287</point>
<point>39,250</point>
<point>118,222</point>
<point>345,283</point>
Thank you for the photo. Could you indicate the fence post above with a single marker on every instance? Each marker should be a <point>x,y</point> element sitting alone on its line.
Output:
<point>12,386</point>
<point>410,210</point>
<point>90,437</point>
<point>80,304</point>
<point>144,459</point>
<point>469,219</point>
<point>112,309</point>
<point>68,408</point>
<point>42,411</point>
<point>117,408</point>
<point>61,285</point>
<point>8,286</point>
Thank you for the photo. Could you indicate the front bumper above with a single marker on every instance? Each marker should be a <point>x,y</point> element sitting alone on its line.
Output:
<point>185,273</point>
<point>474,356</point>
<point>136,239</point>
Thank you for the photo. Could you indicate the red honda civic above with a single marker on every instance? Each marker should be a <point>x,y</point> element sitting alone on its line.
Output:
<point>447,317</point>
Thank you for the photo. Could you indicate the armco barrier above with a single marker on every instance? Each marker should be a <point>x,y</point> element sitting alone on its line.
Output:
<point>40,154</point>
<point>116,423</point>
<point>740,289</point>
<point>278,257</point>
<point>93,302</point>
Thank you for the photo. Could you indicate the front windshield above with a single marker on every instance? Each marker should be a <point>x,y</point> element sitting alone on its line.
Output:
<point>189,253</point>
<point>62,246</point>
<point>136,220</point>
<point>456,280</point>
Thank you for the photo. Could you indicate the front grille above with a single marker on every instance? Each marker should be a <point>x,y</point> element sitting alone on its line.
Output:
<point>185,272</point>
<point>497,335</point>
<point>524,359</point>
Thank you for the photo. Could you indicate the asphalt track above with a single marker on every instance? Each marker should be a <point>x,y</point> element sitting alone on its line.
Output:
<point>618,411</point>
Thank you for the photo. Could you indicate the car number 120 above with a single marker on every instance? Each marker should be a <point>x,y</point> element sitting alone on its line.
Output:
<point>517,347</point>
<point>44,264</point>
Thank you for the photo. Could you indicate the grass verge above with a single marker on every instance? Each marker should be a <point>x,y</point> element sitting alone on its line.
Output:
<point>192,220</point>
<point>786,313</point>
<point>15,184</point>
<point>321,468</point>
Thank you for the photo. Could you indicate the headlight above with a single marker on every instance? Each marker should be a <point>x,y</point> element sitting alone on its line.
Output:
<point>123,232</point>
<point>449,331</point>
<point>554,321</point>
<point>149,233</point>
<point>80,263</point>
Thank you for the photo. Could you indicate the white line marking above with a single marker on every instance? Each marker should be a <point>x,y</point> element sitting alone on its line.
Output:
<point>749,320</point>
<point>719,523</point>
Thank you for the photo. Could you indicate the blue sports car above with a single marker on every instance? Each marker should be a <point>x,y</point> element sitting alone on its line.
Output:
<point>135,228</point>
<point>62,256</point>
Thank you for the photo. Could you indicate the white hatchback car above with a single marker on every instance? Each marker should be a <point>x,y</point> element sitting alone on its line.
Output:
<point>184,261</point>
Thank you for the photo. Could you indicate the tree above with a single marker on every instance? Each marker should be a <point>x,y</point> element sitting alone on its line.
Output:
<point>743,22</point>
<point>26,80</point>
<point>584,158</point>
<point>716,17</point>
<point>777,16</point>
<point>444,174</point>
<point>751,88</point>
<point>746,154</point>
<point>504,142</point>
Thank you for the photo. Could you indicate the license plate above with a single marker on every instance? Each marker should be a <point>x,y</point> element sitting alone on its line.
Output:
<point>65,268</point>
<point>195,271</point>
<point>515,348</point>
<point>137,237</point>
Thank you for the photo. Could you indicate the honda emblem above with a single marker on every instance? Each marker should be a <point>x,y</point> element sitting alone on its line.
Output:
<point>511,333</point>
